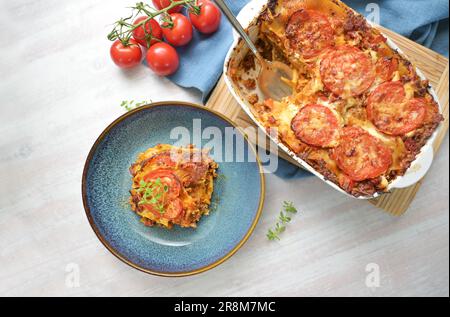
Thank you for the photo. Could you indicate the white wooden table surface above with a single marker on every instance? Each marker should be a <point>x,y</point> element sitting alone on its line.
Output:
<point>59,90</point>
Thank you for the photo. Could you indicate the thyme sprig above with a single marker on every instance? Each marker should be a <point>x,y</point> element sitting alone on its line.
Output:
<point>124,27</point>
<point>131,105</point>
<point>284,218</point>
<point>152,193</point>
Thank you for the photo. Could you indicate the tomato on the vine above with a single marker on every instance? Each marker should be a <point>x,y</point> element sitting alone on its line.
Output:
<point>163,59</point>
<point>161,4</point>
<point>179,31</point>
<point>207,21</point>
<point>151,27</point>
<point>126,56</point>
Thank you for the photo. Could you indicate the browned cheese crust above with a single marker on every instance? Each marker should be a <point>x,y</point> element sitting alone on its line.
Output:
<point>339,62</point>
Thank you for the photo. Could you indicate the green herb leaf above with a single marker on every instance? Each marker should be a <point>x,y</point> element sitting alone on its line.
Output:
<point>272,235</point>
<point>283,220</point>
<point>131,105</point>
<point>152,193</point>
<point>289,207</point>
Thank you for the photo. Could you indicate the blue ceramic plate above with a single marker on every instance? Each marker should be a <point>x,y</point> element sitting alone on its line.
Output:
<point>237,200</point>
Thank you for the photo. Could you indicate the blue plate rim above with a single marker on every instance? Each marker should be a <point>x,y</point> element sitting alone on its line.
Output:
<point>122,257</point>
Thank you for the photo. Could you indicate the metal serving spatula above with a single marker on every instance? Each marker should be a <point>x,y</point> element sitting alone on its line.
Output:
<point>270,77</point>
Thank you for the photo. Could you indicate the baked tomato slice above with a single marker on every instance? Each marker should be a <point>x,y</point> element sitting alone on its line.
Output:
<point>391,92</point>
<point>171,184</point>
<point>361,156</point>
<point>309,32</point>
<point>173,210</point>
<point>153,209</point>
<point>346,71</point>
<point>392,113</point>
<point>162,159</point>
<point>316,125</point>
<point>385,68</point>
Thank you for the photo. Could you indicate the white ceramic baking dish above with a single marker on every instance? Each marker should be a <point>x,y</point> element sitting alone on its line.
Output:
<point>248,17</point>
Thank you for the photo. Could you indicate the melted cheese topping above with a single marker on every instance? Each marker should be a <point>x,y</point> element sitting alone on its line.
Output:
<point>310,89</point>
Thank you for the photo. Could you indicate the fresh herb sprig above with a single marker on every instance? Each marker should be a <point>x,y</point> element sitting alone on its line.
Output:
<point>124,27</point>
<point>152,193</point>
<point>284,218</point>
<point>131,105</point>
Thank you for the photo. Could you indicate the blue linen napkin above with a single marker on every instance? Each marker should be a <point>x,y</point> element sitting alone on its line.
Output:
<point>425,21</point>
<point>202,60</point>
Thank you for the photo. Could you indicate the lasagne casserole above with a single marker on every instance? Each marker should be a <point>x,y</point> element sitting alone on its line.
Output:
<point>359,113</point>
<point>172,185</point>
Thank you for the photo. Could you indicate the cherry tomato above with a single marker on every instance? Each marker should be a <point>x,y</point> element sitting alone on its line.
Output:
<point>126,56</point>
<point>151,27</point>
<point>181,31</point>
<point>163,59</point>
<point>161,4</point>
<point>208,20</point>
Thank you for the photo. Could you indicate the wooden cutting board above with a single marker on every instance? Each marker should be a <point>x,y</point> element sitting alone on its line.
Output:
<point>433,65</point>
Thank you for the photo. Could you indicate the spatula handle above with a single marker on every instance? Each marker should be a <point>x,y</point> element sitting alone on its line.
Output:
<point>236,25</point>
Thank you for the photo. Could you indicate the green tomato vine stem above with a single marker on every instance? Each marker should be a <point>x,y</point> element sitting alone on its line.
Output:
<point>124,27</point>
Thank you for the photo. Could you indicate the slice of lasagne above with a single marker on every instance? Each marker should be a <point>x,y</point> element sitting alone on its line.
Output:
<point>359,113</point>
<point>172,185</point>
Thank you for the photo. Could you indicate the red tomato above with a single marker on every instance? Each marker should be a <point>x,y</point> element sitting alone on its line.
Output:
<point>181,32</point>
<point>126,56</point>
<point>385,68</point>
<point>161,4</point>
<point>163,59</point>
<point>392,113</point>
<point>316,125</point>
<point>151,27</point>
<point>347,71</point>
<point>208,20</point>
<point>392,92</point>
<point>362,156</point>
<point>174,210</point>
<point>162,159</point>
<point>310,32</point>
<point>168,179</point>
<point>173,206</point>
